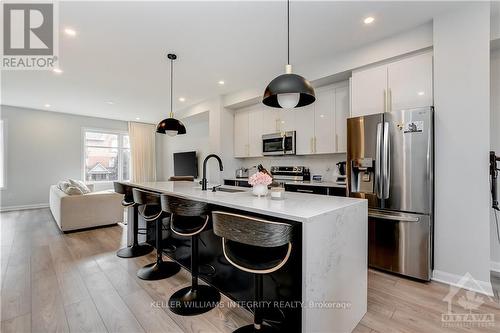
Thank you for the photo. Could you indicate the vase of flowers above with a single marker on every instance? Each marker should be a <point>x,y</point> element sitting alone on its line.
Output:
<point>259,182</point>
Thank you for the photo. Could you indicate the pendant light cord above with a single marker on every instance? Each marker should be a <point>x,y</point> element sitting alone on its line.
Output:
<point>288,30</point>
<point>171,88</point>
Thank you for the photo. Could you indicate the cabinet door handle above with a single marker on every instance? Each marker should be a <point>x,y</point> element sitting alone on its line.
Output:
<point>311,145</point>
<point>315,144</point>
<point>389,100</point>
<point>385,100</point>
<point>336,142</point>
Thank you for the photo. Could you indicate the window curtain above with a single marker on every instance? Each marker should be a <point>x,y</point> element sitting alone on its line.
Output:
<point>142,151</point>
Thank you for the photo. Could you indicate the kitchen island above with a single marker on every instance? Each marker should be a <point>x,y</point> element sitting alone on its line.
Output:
<point>324,285</point>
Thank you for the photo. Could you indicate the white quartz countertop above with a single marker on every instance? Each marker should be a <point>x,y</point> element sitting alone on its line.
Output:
<point>296,206</point>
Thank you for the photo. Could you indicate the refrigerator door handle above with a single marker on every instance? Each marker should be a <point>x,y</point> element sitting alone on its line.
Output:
<point>393,216</point>
<point>378,161</point>
<point>386,163</point>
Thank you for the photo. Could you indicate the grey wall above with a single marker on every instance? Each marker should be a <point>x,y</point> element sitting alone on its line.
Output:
<point>42,148</point>
<point>495,144</point>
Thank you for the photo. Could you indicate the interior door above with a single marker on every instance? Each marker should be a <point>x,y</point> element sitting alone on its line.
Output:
<point>363,150</point>
<point>410,159</point>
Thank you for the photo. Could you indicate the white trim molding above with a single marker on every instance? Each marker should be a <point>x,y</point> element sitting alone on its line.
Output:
<point>482,287</point>
<point>495,266</point>
<point>24,207</point>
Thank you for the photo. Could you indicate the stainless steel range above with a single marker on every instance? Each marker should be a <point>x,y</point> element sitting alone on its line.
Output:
<point>287,173</point>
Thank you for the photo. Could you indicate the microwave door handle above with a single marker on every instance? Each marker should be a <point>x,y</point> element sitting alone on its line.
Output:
<point>283,143</point>
<point>378,164</point>
<point>386,169</point>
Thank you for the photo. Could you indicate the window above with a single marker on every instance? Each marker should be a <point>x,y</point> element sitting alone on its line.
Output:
<point>107,156</point>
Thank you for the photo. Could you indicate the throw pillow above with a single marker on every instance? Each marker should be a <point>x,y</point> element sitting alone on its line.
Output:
<point>63,185</point>
<point>73,190</point>
<point>80,185</point>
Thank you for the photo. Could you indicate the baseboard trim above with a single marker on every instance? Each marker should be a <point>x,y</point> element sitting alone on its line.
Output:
<point>495,266</point>
<point>23,207</point>
<point>478,286</point>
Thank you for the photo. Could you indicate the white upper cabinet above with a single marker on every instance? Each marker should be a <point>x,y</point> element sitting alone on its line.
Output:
<point>324,118</point>
<point>255,117</point>
<point>270,120</point>
<point>369,87</point>
<point>341,115</point>
<point>401,84</point>
<point>287,120</point>
<point>241,148</point>
<point>410,82</point>
<point>304,117</point>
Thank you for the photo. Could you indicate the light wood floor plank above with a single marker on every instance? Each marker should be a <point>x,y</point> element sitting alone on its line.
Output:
<point>114,312</point>
<point>16,292</point>
<point>84,318</point>
<point>21,324</point>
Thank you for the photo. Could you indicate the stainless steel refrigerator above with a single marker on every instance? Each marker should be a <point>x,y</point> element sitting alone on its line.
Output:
<point>390,162</point>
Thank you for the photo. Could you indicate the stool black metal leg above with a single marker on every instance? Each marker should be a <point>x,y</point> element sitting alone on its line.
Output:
<point>257,325</point>
<point>136,249</point>
<point>197,298</point>
<point>159,269</point>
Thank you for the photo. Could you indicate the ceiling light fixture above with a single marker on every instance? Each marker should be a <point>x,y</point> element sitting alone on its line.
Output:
<point>47,105</point>
<point>57,70</point>
<point>110,102</point>
<point>221,82</point>
<point>369,20</point>
<point>137,118</point>
<point>182,99</point>
<point>288,90</point>
<point>70,32</point>
<point>170,125</point>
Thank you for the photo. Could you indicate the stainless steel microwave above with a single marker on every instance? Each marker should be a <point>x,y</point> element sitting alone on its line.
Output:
<point>282,143</point>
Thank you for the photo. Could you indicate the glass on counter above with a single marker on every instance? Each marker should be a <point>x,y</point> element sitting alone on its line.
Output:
<point>277,193</point>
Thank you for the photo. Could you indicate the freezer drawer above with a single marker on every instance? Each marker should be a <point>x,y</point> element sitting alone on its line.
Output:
<point>400,243</point>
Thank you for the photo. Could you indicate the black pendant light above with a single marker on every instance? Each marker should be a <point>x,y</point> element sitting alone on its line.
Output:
<point>171,126</point>
<point>288,90</point>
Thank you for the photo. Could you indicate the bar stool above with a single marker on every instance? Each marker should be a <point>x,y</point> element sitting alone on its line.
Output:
<point>188,219</point>
<point>150,210</point>
<point>136,249</point>
<point>256,246</point>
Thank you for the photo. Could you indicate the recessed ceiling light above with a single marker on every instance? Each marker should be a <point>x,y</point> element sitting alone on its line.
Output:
<point>182,99</point>
<point>369,20</point>
<point>70,32</point>
<point>57,70</point>
<point>137,118</point>
<point>421,93</point>
<point>221,82</point>
<point>47,105</point>
<point>110,102</point>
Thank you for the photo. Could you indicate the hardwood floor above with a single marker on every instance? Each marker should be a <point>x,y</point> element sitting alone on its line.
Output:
<point>55,282</point>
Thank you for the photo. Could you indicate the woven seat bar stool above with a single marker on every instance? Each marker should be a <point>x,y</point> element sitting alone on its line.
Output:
<point>255,246</point>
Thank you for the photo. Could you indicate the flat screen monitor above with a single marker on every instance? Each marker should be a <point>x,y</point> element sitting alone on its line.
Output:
<point>186,164</point>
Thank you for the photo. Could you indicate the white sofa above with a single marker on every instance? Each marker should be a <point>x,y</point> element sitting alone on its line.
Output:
<point>73,212</point>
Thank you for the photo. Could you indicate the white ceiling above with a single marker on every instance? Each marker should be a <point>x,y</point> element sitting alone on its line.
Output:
<point>119,53</point>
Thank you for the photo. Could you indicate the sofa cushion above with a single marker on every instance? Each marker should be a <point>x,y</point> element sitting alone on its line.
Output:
<point>73,190</point>
<point>78,183</point>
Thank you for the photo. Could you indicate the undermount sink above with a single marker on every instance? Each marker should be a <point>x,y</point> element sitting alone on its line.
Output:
<point>230,190</point>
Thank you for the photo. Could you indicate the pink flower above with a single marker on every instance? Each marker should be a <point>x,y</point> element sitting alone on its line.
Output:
<point>260,178</point>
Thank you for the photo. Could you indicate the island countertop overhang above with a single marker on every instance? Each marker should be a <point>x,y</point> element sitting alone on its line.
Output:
<point>298,207</point>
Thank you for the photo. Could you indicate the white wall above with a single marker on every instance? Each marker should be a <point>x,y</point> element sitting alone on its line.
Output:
<point>43,148</point>
<point>461,83</point>
<point>495,144</point>
<point>196,138</point>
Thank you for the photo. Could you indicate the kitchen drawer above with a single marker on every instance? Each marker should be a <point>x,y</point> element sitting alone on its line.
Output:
<point>324,190</point>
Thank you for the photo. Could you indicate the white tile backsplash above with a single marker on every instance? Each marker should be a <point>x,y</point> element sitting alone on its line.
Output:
<point>324,165</point>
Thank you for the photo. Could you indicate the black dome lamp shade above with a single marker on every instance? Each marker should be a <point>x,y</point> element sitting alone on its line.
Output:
<point>170,125</point>
<point>288,90</point>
